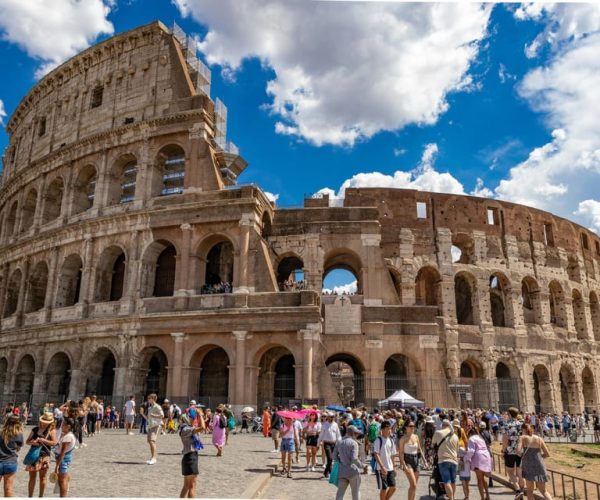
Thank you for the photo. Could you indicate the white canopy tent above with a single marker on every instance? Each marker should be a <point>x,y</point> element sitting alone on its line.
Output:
<point>403,399</point>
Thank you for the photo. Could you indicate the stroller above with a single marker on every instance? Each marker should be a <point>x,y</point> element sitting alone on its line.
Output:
<point>437,488</point>
<point>257,424</point>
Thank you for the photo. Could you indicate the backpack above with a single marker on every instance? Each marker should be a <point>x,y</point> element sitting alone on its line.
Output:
<point>222,421</point>
<point>373,459</point>
<point>373,431</point>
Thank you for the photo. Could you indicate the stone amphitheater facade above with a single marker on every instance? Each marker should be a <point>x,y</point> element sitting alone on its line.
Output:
<point>118,204</point>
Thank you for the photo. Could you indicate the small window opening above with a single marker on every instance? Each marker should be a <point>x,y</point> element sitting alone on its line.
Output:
<point>597,248</point>
<point>129,120</point>
<point>492,217</point>
<point>421,210</point>
<point>548,235</point>
<point>456,254</point>
<point>42,127</point>
<point>97,95</point>
<point>584,241</point>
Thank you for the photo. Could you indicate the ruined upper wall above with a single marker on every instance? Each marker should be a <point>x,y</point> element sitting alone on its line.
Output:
<point>137,75</point>
<point>465,214</point>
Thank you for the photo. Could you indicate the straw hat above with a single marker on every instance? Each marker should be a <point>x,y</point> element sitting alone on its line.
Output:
<point>47,417</point>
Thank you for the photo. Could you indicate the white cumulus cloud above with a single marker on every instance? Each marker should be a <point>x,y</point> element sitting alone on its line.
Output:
<point>590,210</point>
<point>2,113</point>
<point>424,177</point>
<point>348,289</point>
<point>54,31</point>
<point>344,72</point>
<point>271,197</point>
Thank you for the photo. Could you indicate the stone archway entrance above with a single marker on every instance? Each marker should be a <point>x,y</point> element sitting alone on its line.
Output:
<point>155,368</point>
<point>400,374</point>
<point>542,390</point>
<point>212,382</point>
<point>24,379</point>
<point>276,377</point>
<point>347,375</point>
<point>588,386</point>
<point>507,386</point>
<point>101,378</point>
<point>568,389</point>
<point>58,377</point>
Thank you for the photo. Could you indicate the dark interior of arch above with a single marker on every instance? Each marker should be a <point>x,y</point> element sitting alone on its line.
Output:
<point>502,371</point>
<point>464,301</point>
<point>164,278</point>
<point>287,266</point>
<point>214,375</point>
<point>219,264</point>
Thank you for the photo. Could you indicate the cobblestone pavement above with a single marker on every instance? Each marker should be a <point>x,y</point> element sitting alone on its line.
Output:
<point>114,464</point>
<point>312,485</point>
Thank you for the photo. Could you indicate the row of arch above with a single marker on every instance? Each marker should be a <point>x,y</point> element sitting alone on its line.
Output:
<point>532,303</point>
<point>111,274</point>
<point>122,186</point>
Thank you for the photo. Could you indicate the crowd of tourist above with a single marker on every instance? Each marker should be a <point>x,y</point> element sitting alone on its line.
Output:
<point>222,287</point>
<point>292,285</point>
<point>341,444</point>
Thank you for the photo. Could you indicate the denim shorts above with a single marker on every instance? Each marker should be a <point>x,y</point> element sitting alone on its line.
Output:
<point>448,472</point>
<point>288,445</point>
<point>63,468</point>
<point>7,468</point>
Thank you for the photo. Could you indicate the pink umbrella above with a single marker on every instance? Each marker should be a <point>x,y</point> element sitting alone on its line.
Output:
<point>307,411</point>
<point>290,414</point>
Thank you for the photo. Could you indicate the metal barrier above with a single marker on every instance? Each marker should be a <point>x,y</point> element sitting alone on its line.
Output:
<point>560,485</point>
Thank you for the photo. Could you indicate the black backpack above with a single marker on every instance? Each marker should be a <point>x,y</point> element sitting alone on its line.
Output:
<point>222,422</point>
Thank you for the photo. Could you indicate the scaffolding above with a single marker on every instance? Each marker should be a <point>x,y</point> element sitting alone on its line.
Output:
<point>199,73</point>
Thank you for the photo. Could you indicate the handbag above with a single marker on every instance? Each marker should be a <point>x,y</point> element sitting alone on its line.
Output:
<point>334,477</point>
<point>33,455</point>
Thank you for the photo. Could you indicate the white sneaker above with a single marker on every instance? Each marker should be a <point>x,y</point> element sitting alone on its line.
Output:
<point>275,451</point>
<point>131,433</point>
<point>83,445</point>
<point>152,461</point>
<point>312,469</point>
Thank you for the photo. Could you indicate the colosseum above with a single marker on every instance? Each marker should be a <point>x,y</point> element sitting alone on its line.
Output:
<point>133,262</point>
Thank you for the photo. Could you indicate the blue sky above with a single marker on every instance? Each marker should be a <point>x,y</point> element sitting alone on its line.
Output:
<point>499,100</point>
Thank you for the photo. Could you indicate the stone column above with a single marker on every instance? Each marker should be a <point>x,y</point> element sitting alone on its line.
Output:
<point>195,176</point>
<point>39,205</point>
<point>247,221</point>
<point>87,279</point>
<point>22,291</point>
<point>239,396</point>
<point>183,265</point>
<point>371,277</point>
<point>309,336</point>
<point>3,288</point>
<point>51,286</point>
<point>175,379</point>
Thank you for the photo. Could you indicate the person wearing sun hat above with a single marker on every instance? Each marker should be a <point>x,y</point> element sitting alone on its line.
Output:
<point>350,468</point>
<point>43,435</point>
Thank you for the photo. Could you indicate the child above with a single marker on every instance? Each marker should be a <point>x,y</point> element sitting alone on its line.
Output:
<point>64,455</point>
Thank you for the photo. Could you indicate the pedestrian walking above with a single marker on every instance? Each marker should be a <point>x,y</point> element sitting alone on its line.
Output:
<point>42,436</point>
<point>11,441</point>
<point>219,425</point>
<point>350,467</point>
<point>189,462</point>
<point>384,451</point>
<point>276,423</point>
<point>312,428</point>
<point>410,452</point>
<point>266,421</point>
<point>129,414</point>
<point>480,461</point>
<point>510,440</point>
<point>328,437</point>
<point>533,451</point>
<point>155,420</point>
<point>446,442</point>
<point>288,445</point>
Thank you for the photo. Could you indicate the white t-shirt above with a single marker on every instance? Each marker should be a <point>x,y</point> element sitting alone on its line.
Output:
<point>386,449</point>
<point>130,407</point>
<point>69,439</point>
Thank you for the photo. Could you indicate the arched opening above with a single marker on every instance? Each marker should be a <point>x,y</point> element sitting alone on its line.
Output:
<point>588,387</point>
<point>341,273</point>
<point>347,376</point>
<point>557,305</point>
<point>276,377</point>
<point>101,373</point>
<point>568,389</point>
<point>158,270</point>
<point>595,314</point>
<point>266,226</point>
<point>396,281</point>
<point>427,287</point>
<point>542,390</point>
<point>532,305</point>
<point>84,189</point>
<point>579,316</point>
<point>110,275</point>
<point>38,284</point>
<point>58,377</point>
<point>464,291</point>
<point>219,268</point>
<point>508,387</point>
<point>462,249</point>
<point>171,162</point>
<point>12,294</point>
<point>213,386</point>
<point>3,374</point>
<point>69,282</point>
<point>290,274</point>
<point>471,391</point>
<point>11,220</point>
<point>24,378</point>
<point>156,372</point>
<point>123,180</point>
<point>53,200</point>
<point>28,210</point>
<point>400,375</point>
<point>500,305</point>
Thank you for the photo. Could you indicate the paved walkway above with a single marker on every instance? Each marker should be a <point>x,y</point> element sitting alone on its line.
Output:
<point>313,486</point>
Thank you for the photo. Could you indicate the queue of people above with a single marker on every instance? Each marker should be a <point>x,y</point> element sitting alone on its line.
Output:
<point>454,445</point>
